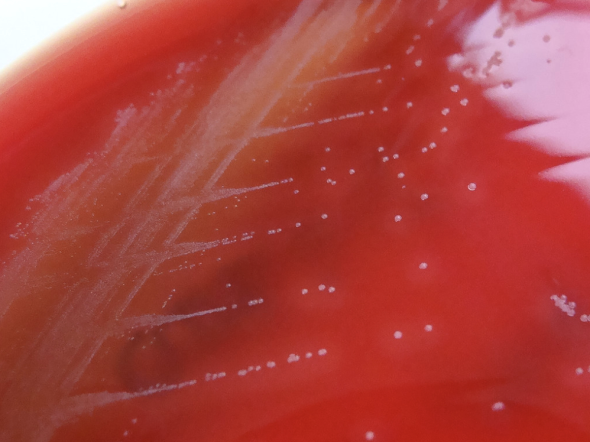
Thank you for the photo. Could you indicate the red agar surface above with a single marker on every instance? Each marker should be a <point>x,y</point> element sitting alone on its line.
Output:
<point>303,220</point>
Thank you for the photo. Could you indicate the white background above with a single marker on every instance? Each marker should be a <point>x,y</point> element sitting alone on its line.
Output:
<point>25,23</point>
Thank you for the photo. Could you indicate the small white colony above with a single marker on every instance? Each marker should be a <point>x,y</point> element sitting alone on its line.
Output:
<point>498,406</point>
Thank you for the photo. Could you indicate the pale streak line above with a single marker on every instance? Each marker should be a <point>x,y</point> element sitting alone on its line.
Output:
<point>136,260</point>
<point>93,346</point>
<point>267,132</point>
<point>270,131</point>
<point>388,16</point>
<point>343,42</point>
<point>86,403</point>
<point>148,321</point>
<point>216,195</point>
<point>342,117</point>
<point>62,306</point>
<point>340,77</point>
<point>128,211</point>
<point>88,354</point>
<point>183,249</point>
<point>372,9</point>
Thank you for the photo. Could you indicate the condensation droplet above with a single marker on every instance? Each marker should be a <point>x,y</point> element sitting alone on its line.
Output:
<point>398,335</point>
<point>423,266</point>
<point>472,186</point>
